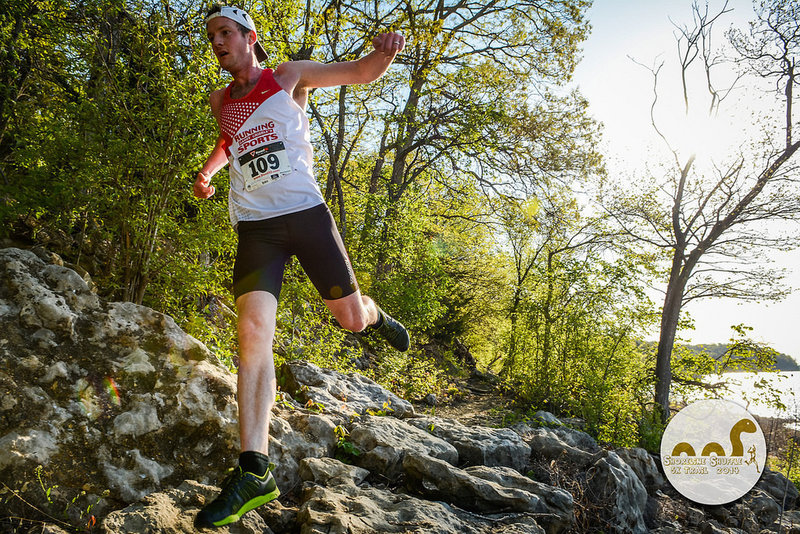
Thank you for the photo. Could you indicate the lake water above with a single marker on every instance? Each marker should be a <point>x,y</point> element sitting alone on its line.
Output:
<point>752,390</point>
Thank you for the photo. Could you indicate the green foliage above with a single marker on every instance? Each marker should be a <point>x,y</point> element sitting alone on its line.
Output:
<point>317,407</point>
<point>106,160</point>
<point>46,490</point>
<point>306,328</point>
<point>410,376</point>
<point>789,464</point>
<point>689,367</point>
<point>576,310</point>
<point>757,355</point>
<point>76,510</point>
<point>385,410</point>
<point>346,451</point>
<point>402,251</point>
<point>214,324</point>
<point>651,428</point>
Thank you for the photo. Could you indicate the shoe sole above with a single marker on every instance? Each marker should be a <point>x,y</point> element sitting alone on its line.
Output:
<point>246,507</point>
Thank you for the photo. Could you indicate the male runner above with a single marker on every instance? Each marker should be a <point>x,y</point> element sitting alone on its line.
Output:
<point>277,209</point>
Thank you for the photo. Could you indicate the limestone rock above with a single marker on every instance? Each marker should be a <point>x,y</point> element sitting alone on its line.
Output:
<point>294,436</point>
<point>644,466</point>
<point>331,472</point>
<point>113,393</point>
<point>349,509</point>
<point>743,518</point>
<point>384,441</point>
<point>112,407</point>
<point>763,506</point>
<point>560,443</point>
<point>614,486</point>
<point>788,524</point>
<point>780,488</point>
<point>279,517</point>
<point>173,512</point>
<point>478,445</point>
<point>339,393</point>
<point>489,490</point>
<point>560,514</point>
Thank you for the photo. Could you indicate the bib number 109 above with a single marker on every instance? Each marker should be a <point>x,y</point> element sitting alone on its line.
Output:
<point>261,165</point>
<point>264,164</point>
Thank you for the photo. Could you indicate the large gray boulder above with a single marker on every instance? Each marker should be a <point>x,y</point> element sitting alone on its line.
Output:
<point>477,445</point>
<point>489,489</point>
<point>763,506</point>
<point>782,490</point>
<point>336,502</point>
<point>644,466</point>
<point>614,486</point>
<point>559,443</point>
<point>338,393</point>
<point>173,512</point>
<point>384,442</point>
<point>115,400</point>
<point>108,398</point>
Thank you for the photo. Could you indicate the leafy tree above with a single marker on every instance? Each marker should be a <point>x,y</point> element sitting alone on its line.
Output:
<point>575,313</point>
<point>105,159</point>
<point>34,86</point>
<point>709,220</point>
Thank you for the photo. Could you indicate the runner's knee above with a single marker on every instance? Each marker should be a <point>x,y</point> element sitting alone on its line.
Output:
<point>253,329</point>
<point>353,319</point>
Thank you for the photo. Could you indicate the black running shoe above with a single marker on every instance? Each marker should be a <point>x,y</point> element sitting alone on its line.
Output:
<point>392,331</point>
<point>241,492</point>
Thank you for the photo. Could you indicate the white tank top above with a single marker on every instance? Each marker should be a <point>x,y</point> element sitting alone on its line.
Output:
<point>268,146</point>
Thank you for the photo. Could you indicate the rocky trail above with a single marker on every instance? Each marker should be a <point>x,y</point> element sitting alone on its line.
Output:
<point>114,420</point>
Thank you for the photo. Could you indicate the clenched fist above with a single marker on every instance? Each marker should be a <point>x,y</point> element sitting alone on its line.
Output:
<point>389,43</point>
<point>202,186</point>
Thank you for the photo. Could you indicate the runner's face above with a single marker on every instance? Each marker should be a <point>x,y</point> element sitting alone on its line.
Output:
<point>228,43</point>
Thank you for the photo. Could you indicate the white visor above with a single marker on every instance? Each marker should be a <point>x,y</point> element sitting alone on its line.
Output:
<point>240,15</point>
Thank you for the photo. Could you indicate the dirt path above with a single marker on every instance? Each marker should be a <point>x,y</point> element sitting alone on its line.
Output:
<point>478,403</point>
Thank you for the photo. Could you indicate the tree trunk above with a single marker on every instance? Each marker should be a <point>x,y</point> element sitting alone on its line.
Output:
<point>544,368</point>
<point>511,356</point>
<point>670,314</point>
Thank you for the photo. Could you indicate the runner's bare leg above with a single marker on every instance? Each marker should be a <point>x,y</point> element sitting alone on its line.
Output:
<point>256,382</point>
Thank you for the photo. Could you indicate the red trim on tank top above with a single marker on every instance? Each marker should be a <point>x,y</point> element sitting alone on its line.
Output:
<point>266,82</point>
<point>235,112</point>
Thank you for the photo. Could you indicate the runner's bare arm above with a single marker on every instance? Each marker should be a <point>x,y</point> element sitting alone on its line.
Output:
<point>298,76</point>
<point>216,160</point>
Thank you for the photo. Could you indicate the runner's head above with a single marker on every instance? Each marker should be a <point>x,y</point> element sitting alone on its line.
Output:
<point>244,22</point>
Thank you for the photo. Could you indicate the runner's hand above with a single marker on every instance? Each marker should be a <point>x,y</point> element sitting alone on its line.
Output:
<point>389,43</point>
<point>202,186</point>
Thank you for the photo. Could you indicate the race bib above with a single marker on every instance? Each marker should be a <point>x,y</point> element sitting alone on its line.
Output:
<point>264,164</point>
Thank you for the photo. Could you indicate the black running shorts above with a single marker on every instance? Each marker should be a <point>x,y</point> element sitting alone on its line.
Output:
<point>265,246</point>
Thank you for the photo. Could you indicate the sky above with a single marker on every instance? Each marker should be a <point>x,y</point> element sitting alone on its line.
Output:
<point>620,93</point>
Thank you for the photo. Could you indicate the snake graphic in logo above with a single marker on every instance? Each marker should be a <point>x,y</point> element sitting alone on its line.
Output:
<point>732,451</point>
